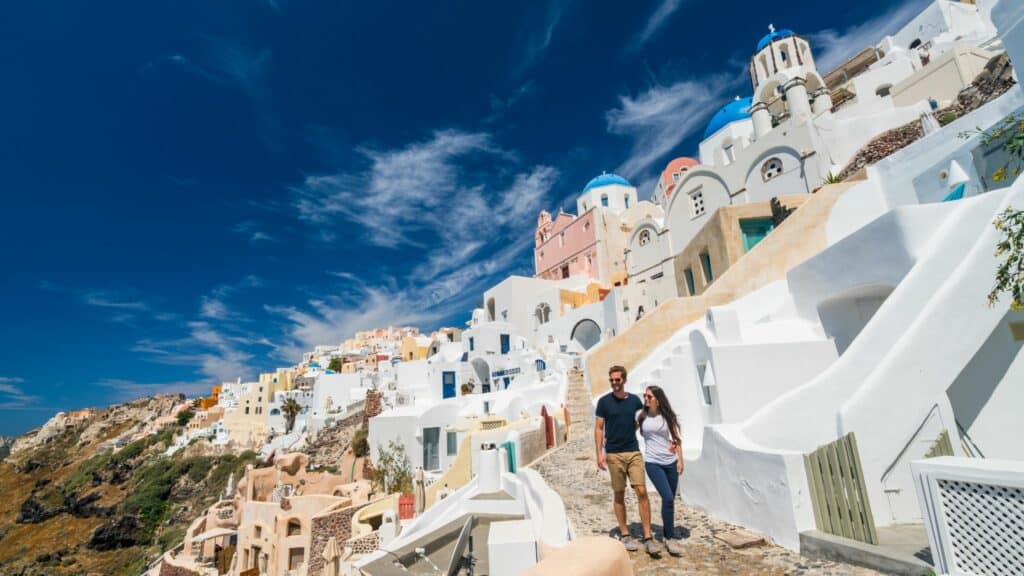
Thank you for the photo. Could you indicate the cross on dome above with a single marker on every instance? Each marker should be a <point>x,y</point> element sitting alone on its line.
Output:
<point>771,28</point>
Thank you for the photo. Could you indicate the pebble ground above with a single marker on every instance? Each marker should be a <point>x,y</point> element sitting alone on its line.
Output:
<point>572,472</point>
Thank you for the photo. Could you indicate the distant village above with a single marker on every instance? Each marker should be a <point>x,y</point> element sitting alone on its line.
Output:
<point>809,289</point>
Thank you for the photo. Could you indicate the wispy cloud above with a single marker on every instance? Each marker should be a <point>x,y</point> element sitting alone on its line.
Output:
<point>250,229</point>
<point>467,205</point>
<point>107,299</point>
<point>216,355</point>
<point>500,106</point>
<point>12,396</point>
<point>656,21</point>
<point>126,389</point>
<point>659,120</point>
<point>833,46</point>
<point>228,62</point>
<point>540,34</point>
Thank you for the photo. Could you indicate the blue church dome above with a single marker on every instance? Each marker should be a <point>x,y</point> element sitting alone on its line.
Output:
<point>606,180</point>
<point>772,36</point>
<point>731,112</point>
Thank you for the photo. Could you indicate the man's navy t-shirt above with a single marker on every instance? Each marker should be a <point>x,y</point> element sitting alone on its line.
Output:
<point>619,422</point>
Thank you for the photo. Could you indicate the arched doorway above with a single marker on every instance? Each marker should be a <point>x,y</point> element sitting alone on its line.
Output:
<point>586,333</point>
<point>844,315</point>
<point>483,374</point>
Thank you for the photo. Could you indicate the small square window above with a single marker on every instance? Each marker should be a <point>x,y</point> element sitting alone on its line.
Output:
<point>697,203</point>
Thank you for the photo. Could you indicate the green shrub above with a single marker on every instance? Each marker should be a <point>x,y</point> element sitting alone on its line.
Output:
<point>184,416</point>
<point>171,537</point>
<point>361,443</point>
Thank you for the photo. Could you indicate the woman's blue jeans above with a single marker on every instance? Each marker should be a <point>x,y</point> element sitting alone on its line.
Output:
<point>666,481</point>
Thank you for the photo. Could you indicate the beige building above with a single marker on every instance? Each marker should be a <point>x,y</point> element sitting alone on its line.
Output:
<point>246,424</point>
<point>281,518</point>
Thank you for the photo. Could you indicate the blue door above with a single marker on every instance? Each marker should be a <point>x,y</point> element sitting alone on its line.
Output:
<point>448,384</point>
<point>505,344</point>
<point>507,381</point>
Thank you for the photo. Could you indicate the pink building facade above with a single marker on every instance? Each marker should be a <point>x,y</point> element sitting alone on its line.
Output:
<point>591,243</point>
<point>566,246</point>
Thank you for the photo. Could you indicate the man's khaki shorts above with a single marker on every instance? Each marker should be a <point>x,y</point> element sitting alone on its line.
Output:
<point>623,465</point>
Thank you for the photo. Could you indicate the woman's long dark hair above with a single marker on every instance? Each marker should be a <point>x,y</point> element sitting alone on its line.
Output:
<point>666,411</point>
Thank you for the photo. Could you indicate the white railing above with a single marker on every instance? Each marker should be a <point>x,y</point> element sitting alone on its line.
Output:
<point>973,510</point>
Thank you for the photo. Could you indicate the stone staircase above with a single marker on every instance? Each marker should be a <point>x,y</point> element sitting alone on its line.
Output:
<point>581,411</point>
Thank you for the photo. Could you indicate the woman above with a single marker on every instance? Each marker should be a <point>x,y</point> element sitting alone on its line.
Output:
<point>663,456</point>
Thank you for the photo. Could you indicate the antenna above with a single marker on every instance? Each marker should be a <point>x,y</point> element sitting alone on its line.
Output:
<point>462,553</point>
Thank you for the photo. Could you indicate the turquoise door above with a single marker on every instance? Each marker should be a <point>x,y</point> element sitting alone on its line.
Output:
<point>754,230</point>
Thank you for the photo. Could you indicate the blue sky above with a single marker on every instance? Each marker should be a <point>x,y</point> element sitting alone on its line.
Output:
<point>197,191</point>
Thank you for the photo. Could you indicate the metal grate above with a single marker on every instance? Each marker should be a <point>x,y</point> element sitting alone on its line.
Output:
<point>986,527</point>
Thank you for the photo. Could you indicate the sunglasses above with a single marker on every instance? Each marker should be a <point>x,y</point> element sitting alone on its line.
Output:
<point>615,379</point>
<point>649,396</point>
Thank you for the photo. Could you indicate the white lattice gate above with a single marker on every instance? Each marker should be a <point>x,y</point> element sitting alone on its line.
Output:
<point>974,513</point>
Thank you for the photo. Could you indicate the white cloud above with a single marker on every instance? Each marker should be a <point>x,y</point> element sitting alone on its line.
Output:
<point>250,229</point>
<point>471,225</point>
<point>12,396</point>
<point>216,355</point>
<point>833,46</point>
<point>658,120</point>
<point>106,299</point>
<point>657,20</point>
<point>126,389</point>
<point>442,196</point>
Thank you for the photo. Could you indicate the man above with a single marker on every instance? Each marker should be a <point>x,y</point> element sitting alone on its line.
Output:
<point>619,452</point>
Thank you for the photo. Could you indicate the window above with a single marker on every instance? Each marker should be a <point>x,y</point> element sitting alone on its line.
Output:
<point>645,237</point>
<point>452,440</point>
<point>730,153</point>
<point>771,168</point>
<point>561,239</point>
<point>506,343</point>
<point>676,176</point>
<point>604,200</point>
<point>705,390</point>
<point>565,271</point>
<point>697,202</point>
<point>705,263</point>
<point>451,337</point>
<point>431,443</point>
<point>246,409</point>
<point>294,527</point>
<point>543,313</point>
<point>883,90</point>
<point>626,200</point>
<point>688,273</point>
<point>658,275</point>
<point>470,343</point>
<point>754,230</point>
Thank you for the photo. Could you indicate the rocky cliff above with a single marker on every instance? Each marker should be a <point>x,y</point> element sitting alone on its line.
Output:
<point>91,492</point>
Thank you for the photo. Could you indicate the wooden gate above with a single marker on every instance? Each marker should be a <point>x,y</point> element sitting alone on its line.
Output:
<point>549,427</point>
<point>840,499</point>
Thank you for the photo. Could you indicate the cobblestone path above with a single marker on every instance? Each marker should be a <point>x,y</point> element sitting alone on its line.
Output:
<point>572,472</point>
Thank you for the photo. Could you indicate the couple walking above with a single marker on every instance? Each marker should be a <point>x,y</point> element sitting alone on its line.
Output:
<point>619,415</point>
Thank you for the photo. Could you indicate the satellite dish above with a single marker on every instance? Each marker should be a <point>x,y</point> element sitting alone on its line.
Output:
<point>461,558</point>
